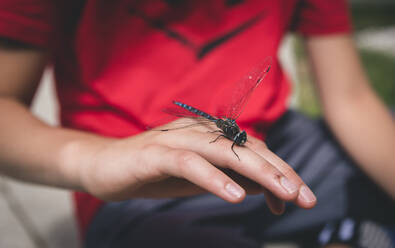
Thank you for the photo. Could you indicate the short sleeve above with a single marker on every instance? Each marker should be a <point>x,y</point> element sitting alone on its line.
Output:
<point>27,21</point>
<point>320,17</point>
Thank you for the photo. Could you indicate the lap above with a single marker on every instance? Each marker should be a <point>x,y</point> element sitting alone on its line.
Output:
<point>207,221</point>
<point>343,191</point>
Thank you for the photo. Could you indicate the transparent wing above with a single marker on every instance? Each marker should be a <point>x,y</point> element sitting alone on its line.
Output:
<point>245,87</point>
<point>191,119</point>
<point>184,124</point>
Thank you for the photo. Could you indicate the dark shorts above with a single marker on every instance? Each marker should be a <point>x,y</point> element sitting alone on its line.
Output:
<point>347,200</point>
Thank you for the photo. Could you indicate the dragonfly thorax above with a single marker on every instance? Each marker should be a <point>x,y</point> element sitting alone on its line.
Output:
<point>232,131</point>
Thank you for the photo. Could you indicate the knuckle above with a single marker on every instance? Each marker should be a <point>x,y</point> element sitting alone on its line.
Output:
<point>266,166</point>
<point>269,168</point>
<point>152,154</point>
<point>184,160</point>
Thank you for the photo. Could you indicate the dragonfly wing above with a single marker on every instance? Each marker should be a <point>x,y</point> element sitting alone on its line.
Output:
<point>183,124</point>
<point>245,87</point>
<point>191,120</point>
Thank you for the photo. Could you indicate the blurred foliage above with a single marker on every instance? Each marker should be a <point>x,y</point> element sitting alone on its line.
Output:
<point>381,71</point>
<point>379,67</point>
<point>373,14</point>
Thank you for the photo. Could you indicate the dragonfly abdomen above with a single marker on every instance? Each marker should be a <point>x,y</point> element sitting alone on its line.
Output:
<point>195,111</point>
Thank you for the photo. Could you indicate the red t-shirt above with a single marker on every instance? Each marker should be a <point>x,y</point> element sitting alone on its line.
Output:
<point>118,63</point>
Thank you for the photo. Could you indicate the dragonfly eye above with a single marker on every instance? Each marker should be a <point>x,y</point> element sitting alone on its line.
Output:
<point>241,138</point>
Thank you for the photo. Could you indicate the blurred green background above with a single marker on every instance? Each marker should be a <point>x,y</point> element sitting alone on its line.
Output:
<point>374,27</point>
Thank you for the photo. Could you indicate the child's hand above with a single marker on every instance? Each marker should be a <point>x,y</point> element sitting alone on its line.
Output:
<point>182,162</point>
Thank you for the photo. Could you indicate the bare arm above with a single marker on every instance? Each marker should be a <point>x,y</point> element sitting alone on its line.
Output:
<point>30,149</point>
<point>358,118</point>
<point>151,164</point>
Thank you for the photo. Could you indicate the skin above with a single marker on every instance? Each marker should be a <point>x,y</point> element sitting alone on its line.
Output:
<point>357,117</point>
<point>180,163</point>
<point>151,164</point>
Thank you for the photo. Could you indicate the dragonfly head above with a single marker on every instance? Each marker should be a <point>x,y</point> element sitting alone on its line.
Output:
<point>230,120</point>
<point>241,138</point>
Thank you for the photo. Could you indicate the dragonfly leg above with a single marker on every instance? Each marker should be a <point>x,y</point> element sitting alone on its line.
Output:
<point>234,151</point>
<point>219,136</point>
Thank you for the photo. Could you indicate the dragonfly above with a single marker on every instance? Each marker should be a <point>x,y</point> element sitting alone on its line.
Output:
<point>227,126</point>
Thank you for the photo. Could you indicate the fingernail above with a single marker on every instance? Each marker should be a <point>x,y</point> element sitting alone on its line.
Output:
<point>306,194</point>
<point>234,190</point>
<point>288,185</point>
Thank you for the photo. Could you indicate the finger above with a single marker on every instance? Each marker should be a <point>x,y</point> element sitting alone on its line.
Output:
<point>170,187</point>
<point>251,165</point>
<point>251,187</point>
<point>275,205</point>
<point>306,198</point>
<point>260,170</point>
<point>194,168</point>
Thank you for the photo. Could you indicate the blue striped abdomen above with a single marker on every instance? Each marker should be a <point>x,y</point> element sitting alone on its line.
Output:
<point>195,111</point>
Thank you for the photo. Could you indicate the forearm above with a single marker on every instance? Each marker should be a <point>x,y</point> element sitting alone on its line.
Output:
<point>357,117</point>
<point>366,130</point>
<point>33,151</point>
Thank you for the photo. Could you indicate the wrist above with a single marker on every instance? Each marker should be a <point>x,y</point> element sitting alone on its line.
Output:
<point>77,156</point>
